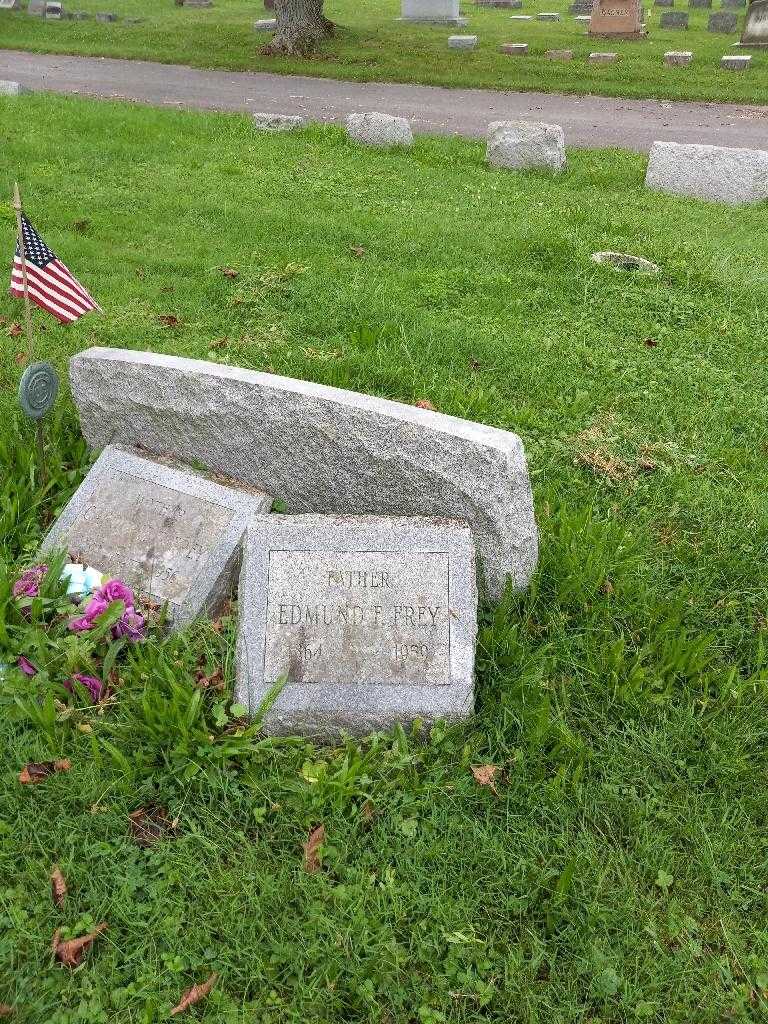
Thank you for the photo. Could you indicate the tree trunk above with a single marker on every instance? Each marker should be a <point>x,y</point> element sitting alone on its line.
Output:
<point>301,27</point>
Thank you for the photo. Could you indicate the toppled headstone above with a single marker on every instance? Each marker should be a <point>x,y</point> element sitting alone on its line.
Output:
<point>373,622</point>
<point>278,122</point>
<point>723,21</point>
<point>440,12</point>
<point>319,449</point>
<point>617,19</point>
<point>462,42</point>
<point>736,62</point>
<point>515,49</point>
<point>374,129</point>
<point>106,17</point>
<point>521,145</point>
<point>674,19</point>
<point>717,173</point>
<point>172,534</point>
<point>11,88</point>
<point>548,16</point>
<point>603,58</point>
<point>265,25</point>
<point>559,54</point>
<point>755,31</point>
<point>678,58</point>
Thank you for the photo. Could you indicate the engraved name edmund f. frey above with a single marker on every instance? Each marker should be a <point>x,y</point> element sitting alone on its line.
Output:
<point>153,536</point>
<point>358,617</point>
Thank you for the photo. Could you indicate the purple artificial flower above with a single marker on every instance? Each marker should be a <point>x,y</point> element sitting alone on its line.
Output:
<point>131,626</point>
<point>95,607</point>
<point>28,584</point>
<point>26,666</point>
<point>116,590</point>
<point>93,685</point>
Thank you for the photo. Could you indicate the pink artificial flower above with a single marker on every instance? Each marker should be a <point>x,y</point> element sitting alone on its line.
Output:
<point>116,590</point>
<point>28,584</point>
<point>93,685</point>
<point>131,625</point>
<point>26,666</point>
<point>95,607</point>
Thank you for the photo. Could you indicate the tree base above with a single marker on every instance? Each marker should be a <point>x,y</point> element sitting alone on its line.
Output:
<point>301,28</point>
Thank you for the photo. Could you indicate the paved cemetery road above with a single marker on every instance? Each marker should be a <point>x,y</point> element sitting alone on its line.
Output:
<point>588,120</point>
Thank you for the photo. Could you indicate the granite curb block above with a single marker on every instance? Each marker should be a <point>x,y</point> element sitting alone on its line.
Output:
<point>375,129</point>
<point>357,660</point>
<point>523,145</point>
<point>134,493</point>
<point>717,173</point>
<point>318,448</point>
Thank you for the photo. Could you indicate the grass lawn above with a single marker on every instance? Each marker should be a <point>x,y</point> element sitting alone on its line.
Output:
<point>373,46</point>
<point>619,874</point>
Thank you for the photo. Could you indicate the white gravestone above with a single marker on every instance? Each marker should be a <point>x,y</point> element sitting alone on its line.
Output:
<point>718,173</point>
<point>172,534</point>
<point>371,620</point>
<point>440,11</point>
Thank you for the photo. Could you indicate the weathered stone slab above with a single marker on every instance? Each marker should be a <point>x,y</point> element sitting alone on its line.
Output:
<point>521,17</point>
<point>278,122</point>
<point>441,12</point>
<point>603,58</point>
<point>515,49</point>
<point>106,17</point>
<point>172,534</point>
<point>36,8</point>
<point>704,4</point>
<point>559,54</point>
<point>320,449</point>
<point>718,173</point>
<point>678,58</point>
<point>462,42</point>
<point>723,21</point>
<point>663,3</point>
<point>523,145</point>
<point>736,62</point>
<point>265,25</point>
<point>733,3</point>
<point>617,19</point>
<point>674,19</point>
<point>374,129</point>
<point>372,620</point>
<point>548,16</point>
<point>11,89</point>
<point>756,25</point>
<point>53,11</point>
<point>583,19</point>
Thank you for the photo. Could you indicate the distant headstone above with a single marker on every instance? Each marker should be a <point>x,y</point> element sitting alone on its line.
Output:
<point>198,3</point>
<point>583,19</point>
<point>674,19</point>
<point>515,49</point>
<point>736,62</point>
<point>717,173</point>
<point>663,3</point>
<point>11,89</point>
<point>603,58</point>
<point>36,8</point>
<point>581,7</point>
<point>755,32</point>
<point>265,25</point>
<point>10,5</point>
<point>53,11</point>
<point>522,145</point>
<point>319,449</point>
<point>372,621</point>
<point>173,535</point>
<point>548,16</point>
<point>700,3</point>
<point>733,3</point>
<point>442,12</point>
<point>81,15</point>
<point>678,58</point>
<point>559,54</point>
<point>374,129</point>
<point>508,4</point>
<point>521,17</point>
<point>105,17</point>
<point>462,42</point>
<point>617,19</point>
<point>278,122</point>
<point>723,21</point>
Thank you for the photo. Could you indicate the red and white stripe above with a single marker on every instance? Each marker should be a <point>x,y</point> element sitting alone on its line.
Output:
<point>54,289</point>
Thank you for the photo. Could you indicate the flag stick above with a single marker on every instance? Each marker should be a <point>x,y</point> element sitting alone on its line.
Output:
<point>39,433</point>
<point>22,253</point>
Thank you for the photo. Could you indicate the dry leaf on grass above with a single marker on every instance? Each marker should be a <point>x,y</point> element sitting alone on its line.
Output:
<point>15,330</point>
<point>485,775</point>
<point>312,846</point>
<point>229,272</point>
<point>651,343</point>
<point>58,886</point>
<point>70,952</point>
<point>194,995</point>
<point>605,465</point>
<point>215,681</point>
<point>357,250</point>
<point>5,1010</point>
<point>149,825</point>
<point>168,320</point>
<point>81,225</point>
<point>424,403</point>
<point>38,771</point>
<point>21,358</point>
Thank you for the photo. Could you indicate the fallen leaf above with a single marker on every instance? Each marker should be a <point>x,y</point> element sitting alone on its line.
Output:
<point>39,771</point>
<point>647,466</point>
<point>195,994</point>
<point>70,953</point>
<point>20,358</point>
<point>81,225</point>
<point>215,681</point>
<point>424,403</point>
<point>485,775</point>
<point>314,841</point>
<point>218,343</point>
<point>15,330</point>
<point>58,886</point>
<point>229,272</point>
<point>5,1010</point>
<point>605,465</point>
<point>168,320</point>
<point>149,825</point>
<point>357,250</point>
<point>367,811</point>
<point>651,343</point>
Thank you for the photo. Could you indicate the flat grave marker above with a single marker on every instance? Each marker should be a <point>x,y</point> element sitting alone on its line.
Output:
<point>372,621</point>
<point>172,534</point>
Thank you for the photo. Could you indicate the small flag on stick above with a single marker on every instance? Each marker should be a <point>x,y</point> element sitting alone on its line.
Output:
<point>47,282</point>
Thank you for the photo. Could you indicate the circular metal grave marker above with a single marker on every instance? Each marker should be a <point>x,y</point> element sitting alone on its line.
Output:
<point>38,388</point>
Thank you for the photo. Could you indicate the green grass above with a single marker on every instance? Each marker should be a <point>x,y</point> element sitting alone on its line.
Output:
<point>620,873</point>
<point>373,46</point>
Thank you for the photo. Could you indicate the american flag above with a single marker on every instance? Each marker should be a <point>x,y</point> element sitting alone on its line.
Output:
<point>49,283</point>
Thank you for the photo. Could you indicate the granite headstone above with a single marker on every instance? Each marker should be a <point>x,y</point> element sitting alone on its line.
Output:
<point>755,32</point>
<point>617,19</point>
